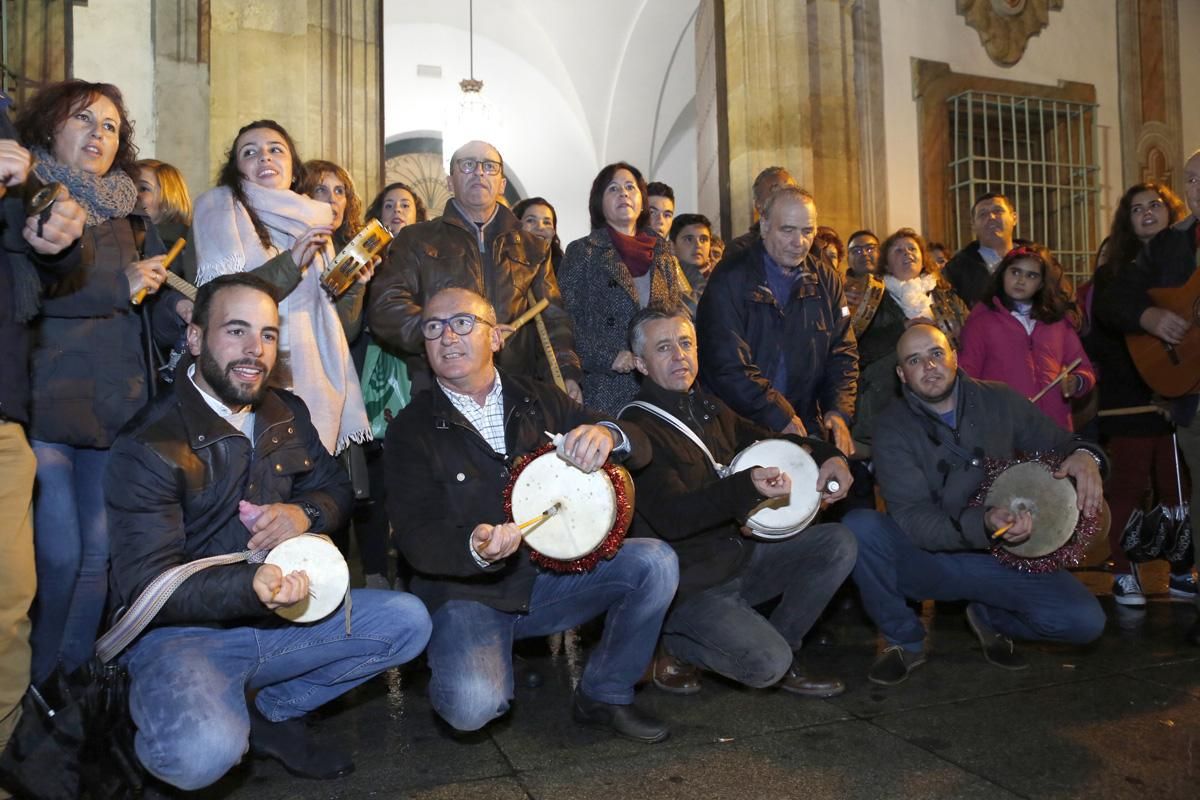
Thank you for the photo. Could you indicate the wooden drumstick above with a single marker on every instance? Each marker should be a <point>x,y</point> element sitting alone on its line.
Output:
<point>1061,376</point>
<point>1003,530</point>
<point>549,512</point>
<point>520,321</point>
<point>175,250</point>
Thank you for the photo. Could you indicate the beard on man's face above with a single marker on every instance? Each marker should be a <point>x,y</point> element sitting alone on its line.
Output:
<point>228,391</point>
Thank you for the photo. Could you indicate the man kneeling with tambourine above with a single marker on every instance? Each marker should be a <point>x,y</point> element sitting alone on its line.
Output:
<point>454,460</point>
<point>220,469</point>
<point>690,499</point>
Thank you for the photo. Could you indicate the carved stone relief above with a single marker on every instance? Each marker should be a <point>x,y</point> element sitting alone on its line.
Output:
<point>1005,26</point>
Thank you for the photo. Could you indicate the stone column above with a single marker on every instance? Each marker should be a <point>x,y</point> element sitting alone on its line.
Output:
<point>1151,114</point>
<point>799,83</point>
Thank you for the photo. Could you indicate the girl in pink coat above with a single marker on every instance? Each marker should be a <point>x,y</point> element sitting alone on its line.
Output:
<point>1020,334</point>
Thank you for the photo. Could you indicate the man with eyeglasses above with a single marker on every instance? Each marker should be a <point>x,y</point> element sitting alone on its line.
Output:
<point>476,244</point>
<point>448,456</point>
<point>864,289</point>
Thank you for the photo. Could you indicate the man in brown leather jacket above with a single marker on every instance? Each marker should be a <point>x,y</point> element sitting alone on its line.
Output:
<point>476,244</point>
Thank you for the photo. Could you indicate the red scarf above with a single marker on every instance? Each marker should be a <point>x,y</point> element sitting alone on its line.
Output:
<point>636,251</point>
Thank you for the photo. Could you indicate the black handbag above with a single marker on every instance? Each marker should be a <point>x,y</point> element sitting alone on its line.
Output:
<point>1164,531</point>
<point>75,735</point>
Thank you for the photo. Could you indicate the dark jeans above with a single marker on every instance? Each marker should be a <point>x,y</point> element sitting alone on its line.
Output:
<point>188,690</point>
<point>891,569</point>
<point>71,547</point>
<point>718,628</point>
<point>470,652</point>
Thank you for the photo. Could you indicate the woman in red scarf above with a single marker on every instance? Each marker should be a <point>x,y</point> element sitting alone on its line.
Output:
<point>607,276</point>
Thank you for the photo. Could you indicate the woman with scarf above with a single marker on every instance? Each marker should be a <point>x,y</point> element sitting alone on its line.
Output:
<point>608,276</point>
<point>89,363</point>
<point>255,220</point>
<point>914,291</point>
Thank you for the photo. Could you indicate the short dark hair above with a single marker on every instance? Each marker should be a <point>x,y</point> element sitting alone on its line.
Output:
<point>231,178</point>
<point>660,189</point>
<point>636,331</point>
<point>761,180</point>
<point>376,208</point>
<point>682,221</point>
<point>596,197</point>
<point>991,196</point>
<point>863,232</point>
<point>206,293</point>
<point>39,118</point>
<point>826,237</point>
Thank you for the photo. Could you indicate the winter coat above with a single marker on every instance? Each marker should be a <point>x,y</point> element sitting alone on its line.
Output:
<point>600,295</point>
<point>89,355</point>
<point>928,471</point>
<point>172,487</point>
<point>444,478</point>
<point>995,347</point>
<point>744,331</point>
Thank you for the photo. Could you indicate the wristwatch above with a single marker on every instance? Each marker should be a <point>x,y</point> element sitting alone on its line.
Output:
<point>313,513</point>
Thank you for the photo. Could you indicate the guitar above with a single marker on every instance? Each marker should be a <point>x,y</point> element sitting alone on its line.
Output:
<point>1171,370</point>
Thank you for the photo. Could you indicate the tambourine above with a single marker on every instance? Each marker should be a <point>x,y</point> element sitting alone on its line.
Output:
<point>355,256</point>
<point>592,510</point>
<point>1060,532</point>
<point>782,517</point>
<point>328,575</point>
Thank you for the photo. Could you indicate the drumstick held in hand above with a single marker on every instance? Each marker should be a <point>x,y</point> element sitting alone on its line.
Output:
<point>1061,377</point>
<point>175,250</point>
<point>1001,531</point>
<point>549,512</point>
<point>517,323</point>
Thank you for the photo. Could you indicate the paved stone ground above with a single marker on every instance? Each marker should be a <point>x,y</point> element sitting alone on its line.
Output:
<point>1118,719</point>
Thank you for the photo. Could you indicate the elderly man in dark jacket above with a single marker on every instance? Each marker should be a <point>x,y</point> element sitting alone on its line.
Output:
<point>931,451</point>
<point>775,338</point>
<point>221,465</point>
<point>33,252</point>
<point>724,573</point>
<point>448,457</point>
<point>476,244</point>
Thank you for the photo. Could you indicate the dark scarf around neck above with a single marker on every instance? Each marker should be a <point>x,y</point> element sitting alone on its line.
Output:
<point>637,252</point>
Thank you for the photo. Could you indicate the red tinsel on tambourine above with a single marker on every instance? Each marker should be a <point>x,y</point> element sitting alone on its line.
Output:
<point>616,535</point>
<point>1071,553</point>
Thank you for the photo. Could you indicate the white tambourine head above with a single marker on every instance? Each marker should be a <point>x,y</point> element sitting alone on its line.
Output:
<point>328,576</point>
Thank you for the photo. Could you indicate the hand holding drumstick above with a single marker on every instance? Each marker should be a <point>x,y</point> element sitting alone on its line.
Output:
<point>494,542</point>
<point>1013,528</point>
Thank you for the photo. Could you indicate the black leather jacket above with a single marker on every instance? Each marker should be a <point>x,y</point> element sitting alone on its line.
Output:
<point>174,479</point>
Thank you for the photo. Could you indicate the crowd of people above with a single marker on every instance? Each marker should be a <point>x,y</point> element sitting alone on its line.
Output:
<point>142,429</point>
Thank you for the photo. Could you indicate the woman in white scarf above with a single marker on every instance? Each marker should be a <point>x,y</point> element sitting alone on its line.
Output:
<point>915,291</point>
<point>254,221</point>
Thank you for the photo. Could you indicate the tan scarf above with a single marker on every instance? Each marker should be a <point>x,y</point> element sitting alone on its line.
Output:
<point>314,358</point>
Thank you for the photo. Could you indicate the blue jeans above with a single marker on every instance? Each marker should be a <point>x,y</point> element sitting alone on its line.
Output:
<point>188,690</point>
<point>71,548</point>
<point>718,628</point>
<point>1053,607</point>
<point>470,652</point>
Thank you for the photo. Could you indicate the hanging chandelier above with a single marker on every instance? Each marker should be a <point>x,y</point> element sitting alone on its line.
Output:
<point>470,115</point>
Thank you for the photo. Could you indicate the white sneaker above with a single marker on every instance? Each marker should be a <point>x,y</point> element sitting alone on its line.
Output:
<point>1127,590</point>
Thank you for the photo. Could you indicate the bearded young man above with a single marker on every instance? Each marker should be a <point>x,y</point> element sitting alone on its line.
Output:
<point>182,476</point>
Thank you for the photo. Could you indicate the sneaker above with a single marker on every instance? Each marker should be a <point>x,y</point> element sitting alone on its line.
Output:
<point>894,665</point>
<point>998,649</point>
<point>1183,586</point>
<point>1127,591</point>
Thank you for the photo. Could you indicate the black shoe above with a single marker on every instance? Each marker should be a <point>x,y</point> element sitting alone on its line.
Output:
<point>796,682</point>
<point>290,744</point>
<point>893,665</point>
<point>997,648</point>
<point>627,721</point>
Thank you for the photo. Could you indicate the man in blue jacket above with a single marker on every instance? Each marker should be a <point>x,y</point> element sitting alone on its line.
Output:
<point>775,339</point>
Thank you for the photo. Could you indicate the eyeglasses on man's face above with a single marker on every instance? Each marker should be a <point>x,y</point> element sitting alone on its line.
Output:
<point>467,166</point>
<point>461,324</point>
<point>864,249</point>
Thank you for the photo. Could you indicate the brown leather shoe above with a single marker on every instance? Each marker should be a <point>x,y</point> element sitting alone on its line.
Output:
<point>796,682</point>
<point>675,676</point>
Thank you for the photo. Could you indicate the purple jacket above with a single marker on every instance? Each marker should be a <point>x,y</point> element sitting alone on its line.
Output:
<point>995,347</point>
